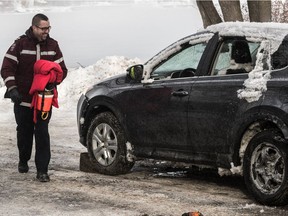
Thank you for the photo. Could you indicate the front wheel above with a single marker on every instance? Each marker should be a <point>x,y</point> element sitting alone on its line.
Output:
<point>107,145</point>
<point>265,168</point>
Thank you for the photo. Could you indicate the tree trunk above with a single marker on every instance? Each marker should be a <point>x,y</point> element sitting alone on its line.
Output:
<point>259,11</point>
<point>208,13</point>
<point>285,12</point>
<point>231,10</point>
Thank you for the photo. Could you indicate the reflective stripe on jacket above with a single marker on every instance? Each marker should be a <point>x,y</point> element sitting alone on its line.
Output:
<point>17,67</point>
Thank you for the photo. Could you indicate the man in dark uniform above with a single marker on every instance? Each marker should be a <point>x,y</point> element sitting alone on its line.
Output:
<point>17,73</point>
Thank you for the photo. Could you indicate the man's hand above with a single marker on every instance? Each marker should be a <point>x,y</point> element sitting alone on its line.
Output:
<point>15,96</point>
<point>50,86</point>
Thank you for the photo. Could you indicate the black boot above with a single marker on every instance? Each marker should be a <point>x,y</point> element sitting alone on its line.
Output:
<point>42,177</point>
<point>23,167</point>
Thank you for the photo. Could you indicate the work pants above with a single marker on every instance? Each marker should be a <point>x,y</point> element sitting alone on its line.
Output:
<point>26,128</point>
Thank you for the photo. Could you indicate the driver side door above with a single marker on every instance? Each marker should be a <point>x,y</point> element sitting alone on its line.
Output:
<point>162,106</point>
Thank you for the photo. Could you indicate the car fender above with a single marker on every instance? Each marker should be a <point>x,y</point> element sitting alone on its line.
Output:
<point>102,103</point>
<point>251,122</point>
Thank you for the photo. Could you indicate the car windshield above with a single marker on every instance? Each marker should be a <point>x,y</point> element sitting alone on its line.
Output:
<point>187,58</point>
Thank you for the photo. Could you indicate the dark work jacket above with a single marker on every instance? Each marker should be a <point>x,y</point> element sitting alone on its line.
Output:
<point>17,67</point>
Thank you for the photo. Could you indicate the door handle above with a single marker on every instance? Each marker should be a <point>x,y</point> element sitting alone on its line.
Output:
<point>180,93</point>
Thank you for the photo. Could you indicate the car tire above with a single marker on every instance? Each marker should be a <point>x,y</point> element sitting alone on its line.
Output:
<point>265,168</point>
<point>106,144</point>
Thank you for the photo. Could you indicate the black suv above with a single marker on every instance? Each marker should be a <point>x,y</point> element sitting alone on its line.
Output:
<point>217,98</point>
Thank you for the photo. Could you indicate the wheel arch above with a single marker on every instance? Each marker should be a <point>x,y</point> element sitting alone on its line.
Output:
<point>253,122</point>
<point>102,104</point>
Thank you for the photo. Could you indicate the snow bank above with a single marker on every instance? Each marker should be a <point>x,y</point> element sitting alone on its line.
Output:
<point>79,80</point>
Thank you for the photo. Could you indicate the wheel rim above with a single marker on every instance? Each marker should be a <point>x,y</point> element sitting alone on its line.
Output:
<point>104,144</point>
<point>267,168</point>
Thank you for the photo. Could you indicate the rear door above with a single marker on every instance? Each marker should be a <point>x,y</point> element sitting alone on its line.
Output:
<point>214,103</point>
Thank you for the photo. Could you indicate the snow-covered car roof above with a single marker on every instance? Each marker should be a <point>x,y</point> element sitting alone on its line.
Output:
<point>275,31</point>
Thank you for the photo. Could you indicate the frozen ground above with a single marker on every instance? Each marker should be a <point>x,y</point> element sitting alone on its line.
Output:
<point>150,189</point>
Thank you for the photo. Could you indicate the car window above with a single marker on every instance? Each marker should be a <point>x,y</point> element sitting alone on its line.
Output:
<point>235,56</point>
<point>187,59</point>
<point>279,58</point>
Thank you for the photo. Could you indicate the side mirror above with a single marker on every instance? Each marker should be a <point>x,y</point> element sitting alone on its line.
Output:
<point>135,72</point>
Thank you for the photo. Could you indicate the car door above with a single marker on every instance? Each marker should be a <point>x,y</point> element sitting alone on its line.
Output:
<point>159,115</point>
<point>159,120</point>
<point>214,103</point>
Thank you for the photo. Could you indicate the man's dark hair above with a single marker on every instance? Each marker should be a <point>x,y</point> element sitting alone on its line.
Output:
<point>37,18</point>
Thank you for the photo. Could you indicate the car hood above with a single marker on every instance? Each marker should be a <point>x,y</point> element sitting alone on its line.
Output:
<point>112,80</point>
<point>105,86</point>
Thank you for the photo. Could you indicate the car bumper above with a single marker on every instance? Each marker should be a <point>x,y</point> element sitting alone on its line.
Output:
<point>81,110</point>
